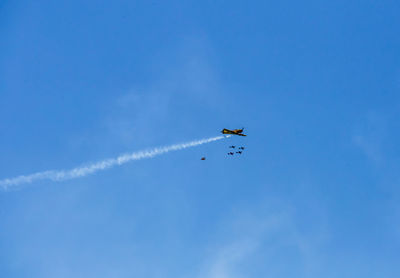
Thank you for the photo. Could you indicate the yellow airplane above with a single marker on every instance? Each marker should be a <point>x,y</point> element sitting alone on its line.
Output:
<point>233,132</point>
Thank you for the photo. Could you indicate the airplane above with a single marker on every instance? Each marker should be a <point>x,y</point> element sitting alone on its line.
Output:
<point>230,153</point>
<point>233,132</point>
<point>232,147</point>
<point>241,148</point>
<point>239,152</point>
<point>203,158</point>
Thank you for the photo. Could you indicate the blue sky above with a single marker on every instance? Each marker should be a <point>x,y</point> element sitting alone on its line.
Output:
<point>315,84</point>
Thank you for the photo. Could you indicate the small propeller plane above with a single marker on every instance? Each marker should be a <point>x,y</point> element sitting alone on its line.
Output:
<point>233,132</point>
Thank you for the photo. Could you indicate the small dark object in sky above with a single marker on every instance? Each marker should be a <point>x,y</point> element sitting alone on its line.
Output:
<point>233,132</point>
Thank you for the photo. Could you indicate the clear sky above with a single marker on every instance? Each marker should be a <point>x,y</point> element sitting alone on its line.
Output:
<point>316,85</point>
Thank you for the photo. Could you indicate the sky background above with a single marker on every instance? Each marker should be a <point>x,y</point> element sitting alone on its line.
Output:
<point>315,84</point>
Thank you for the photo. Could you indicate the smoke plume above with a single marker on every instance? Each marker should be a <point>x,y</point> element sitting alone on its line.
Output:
<point>82,171</point>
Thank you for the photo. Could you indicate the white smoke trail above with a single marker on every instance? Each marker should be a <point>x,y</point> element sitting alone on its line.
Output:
<point>101,165</point>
